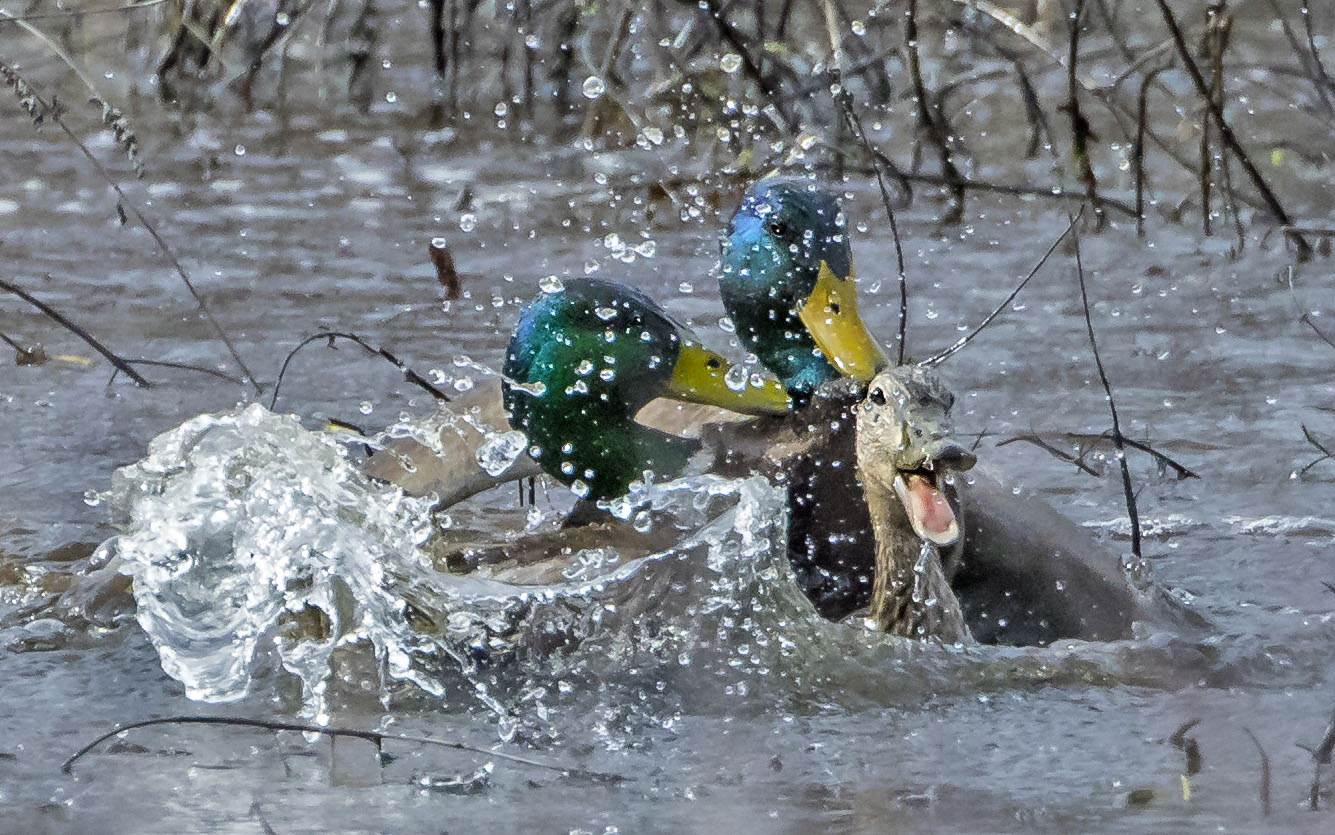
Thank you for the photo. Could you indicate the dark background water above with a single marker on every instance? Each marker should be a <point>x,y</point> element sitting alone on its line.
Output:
<point>316,215</point>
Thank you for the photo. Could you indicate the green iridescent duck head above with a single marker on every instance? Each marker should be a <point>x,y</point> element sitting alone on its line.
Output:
<point>585,359</point>
<point>787,284</point>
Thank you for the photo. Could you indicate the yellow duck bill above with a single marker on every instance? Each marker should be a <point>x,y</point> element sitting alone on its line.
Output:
<point>830,314</point>
<point>700,376</point>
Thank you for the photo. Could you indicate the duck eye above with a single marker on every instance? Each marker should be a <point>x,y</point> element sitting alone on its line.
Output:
<point>877,396</point>
<point>778,228</point>
<point>713,362</point>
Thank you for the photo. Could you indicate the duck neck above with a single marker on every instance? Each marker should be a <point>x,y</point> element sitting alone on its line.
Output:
<point>911,595</point>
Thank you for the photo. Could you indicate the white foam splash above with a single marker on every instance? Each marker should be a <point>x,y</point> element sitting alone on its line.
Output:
<point>237,526</point>
<point>256,545</point>
<point>500,450</point>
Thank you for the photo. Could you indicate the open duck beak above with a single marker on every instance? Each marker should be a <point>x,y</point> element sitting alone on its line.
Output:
<point>830,313</point>
<point>700,376</point>
<point>919,489</point>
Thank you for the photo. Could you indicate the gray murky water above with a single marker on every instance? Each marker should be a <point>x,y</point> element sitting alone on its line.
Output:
<point>296,222</point>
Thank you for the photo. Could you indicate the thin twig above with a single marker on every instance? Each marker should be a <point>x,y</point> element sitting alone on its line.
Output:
<point>1321,753</point>
<point>1188,746</point>
<point>930,121</point>
<point>1317,75</point>
<point>1265,772</point>
<point>1161,459</point>
<point>1323,78</point>
<point>1051,450</point>
<point>112,117</point>
<point>408,374</point>
<point>125,203</point>
<point>737,43</point>
<point>374,737</point>
<point>937,358</point>
<point>1180,470</point>
<point>258,814</point>
<point>1306,319</point>
<point>1118,439</point>
<point>128,7</point>
<point>1045,192</point>
<point>844,100</point>
<point>1325,453</point>
<point>1138,148</point>
<point>1081,133</point>
<point>1226,130</point>
<point>187,366</point>
<point>59,318</point>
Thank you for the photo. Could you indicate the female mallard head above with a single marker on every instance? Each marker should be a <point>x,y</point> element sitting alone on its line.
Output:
<point>583,361</point>
<point>787,284</point>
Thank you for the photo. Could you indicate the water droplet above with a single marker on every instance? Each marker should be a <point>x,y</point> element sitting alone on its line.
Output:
<point>391,97</point>
<point>584,367</point>
<point>730,62</point>
<point>366,407</point>
<point>685,287</point>
<point>468,222</point>
<point>735,379</point>
<point>551,284</point>
<point>579,488</point>
<point>537,389</point>
<point>463,384</point>
<point>607,375</point>
<point>92,498</point>
<point>282,19</point>
<point>531,41</point>
<point>725,324</point>
<point>594,87</point>
<point>500,451</point>
<point>859,28</point>
<point>501,109</point>
<point>653,134</point>
<point>239,150</point>
<point>605,313</point>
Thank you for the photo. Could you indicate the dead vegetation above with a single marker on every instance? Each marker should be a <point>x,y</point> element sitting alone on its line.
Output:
<point>1081,96</point>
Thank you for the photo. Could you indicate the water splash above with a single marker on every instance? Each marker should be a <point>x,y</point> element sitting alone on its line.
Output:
<point>500,450</point>
<point>248,535</point>
<point>257,545</point>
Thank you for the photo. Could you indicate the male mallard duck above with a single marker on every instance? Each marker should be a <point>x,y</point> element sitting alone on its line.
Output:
<point>598,378</point>
<point>786,280</point>
<point>582,363</point>
<point>1025,575</point>
<point>787,283</point>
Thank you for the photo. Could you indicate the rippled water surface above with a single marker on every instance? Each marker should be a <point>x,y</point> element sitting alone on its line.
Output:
<point>699,674</point>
